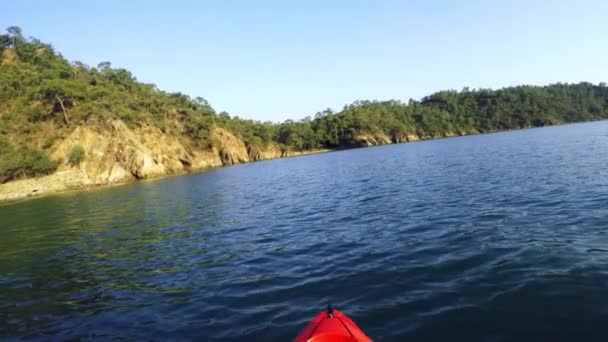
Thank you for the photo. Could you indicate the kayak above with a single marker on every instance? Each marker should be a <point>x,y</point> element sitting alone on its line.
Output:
<point>332,326</point>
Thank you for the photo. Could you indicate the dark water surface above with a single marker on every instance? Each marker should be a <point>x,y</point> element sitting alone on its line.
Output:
<point>495,237</point>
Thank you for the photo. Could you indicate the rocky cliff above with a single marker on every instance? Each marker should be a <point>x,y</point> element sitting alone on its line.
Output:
<point>380,138</point>
<point>115,153</point>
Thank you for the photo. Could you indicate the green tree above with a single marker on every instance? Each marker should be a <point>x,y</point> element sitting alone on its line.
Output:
<point>15,33</point>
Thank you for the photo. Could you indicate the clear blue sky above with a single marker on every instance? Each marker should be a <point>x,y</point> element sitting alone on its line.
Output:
<point>273,60</point>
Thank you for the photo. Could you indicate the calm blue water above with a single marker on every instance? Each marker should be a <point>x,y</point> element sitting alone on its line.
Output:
<point>495,237</point>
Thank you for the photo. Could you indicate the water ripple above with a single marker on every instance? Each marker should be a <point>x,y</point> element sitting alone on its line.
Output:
<point>497,237</point>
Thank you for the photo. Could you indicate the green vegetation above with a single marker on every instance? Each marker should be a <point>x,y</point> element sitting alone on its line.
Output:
<point>441,114</point>
<point>24,162</point>
<point>76,155</point>
<point>44,97</point>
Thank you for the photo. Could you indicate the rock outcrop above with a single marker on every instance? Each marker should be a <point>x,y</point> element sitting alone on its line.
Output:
<point>120,154</point>
<point>271,151</point>
<point>116,153</point>
<point>231,149</point>
<point>372,139</point>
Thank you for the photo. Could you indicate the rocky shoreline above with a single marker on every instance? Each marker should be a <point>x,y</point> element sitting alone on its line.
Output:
<point>117,154</point>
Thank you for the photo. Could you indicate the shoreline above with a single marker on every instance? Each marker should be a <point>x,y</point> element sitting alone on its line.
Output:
<point>23,191</point>
<point>59,183</point>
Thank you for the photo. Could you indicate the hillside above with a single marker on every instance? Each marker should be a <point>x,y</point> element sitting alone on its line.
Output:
<point>85,125</point>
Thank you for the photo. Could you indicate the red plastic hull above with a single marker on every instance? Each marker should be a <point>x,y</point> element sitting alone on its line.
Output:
<point>332,328</point>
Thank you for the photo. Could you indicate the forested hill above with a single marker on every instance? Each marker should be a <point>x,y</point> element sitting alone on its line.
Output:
<point>44,98</point>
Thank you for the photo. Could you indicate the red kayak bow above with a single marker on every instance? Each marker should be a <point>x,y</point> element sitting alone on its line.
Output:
<point>332,326</point>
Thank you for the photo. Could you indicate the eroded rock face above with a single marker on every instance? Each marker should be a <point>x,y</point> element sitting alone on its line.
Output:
<point>408,137</point>
<point>412,137</point>
<point>116,153</point>
<point>270,151</point>
<point>373,139</point>
<point>119,153</point>
<point>230,149</point>
<point>8,57</point>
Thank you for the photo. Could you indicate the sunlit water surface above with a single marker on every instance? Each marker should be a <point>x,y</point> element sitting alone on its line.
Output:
<point>494,237</point>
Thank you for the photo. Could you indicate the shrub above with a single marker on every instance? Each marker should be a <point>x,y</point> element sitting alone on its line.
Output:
<point>5,146</point>
<point>25,163</point>
<point>76,155</point>
<point>41,164</point>
<point>49,141</point>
